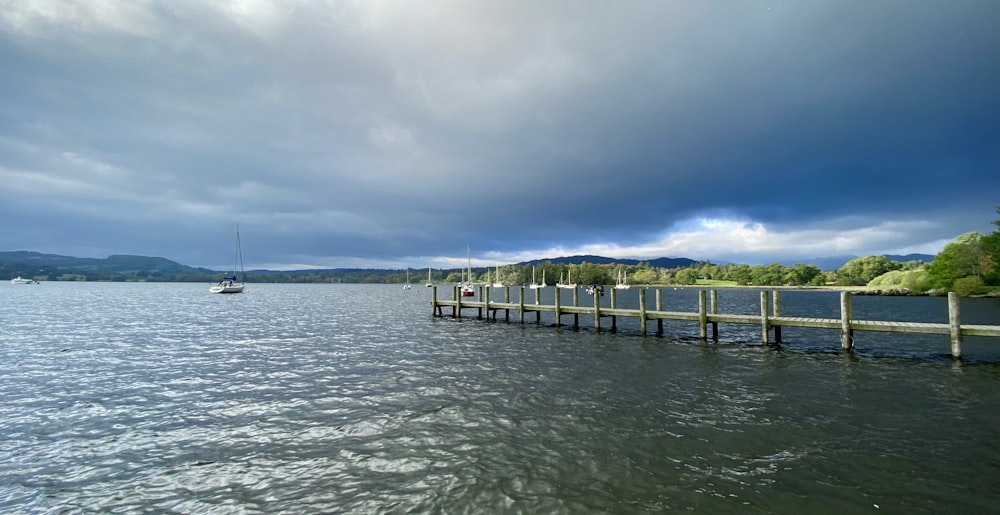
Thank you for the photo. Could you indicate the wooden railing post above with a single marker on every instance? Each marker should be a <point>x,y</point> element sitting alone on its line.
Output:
<point>659,307</point>
<point>520,303</point>
<point>846,333</point>
<point>777,313</point>
<point>702,316</point>
<point>614,305</point>
<point>763,317</point>
<point>486,300</point>
<point>576,303</point>
<point>714,307</point>
<point>538,314</point>
<point>558,308</point>
<point>597,310</point>
<point>955,325</point>
<point>642,311</point>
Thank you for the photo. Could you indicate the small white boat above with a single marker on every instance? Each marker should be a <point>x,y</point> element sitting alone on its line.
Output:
<point>407,285</point>
<point>231,284</point>
<point>467,289</point>
<point>596,288</point>
<point>498,284</point>
<point>622,280</point>
<point>569,280</point>
<point>534,285</point>
<point>429,283</point>
<point>20,280</point>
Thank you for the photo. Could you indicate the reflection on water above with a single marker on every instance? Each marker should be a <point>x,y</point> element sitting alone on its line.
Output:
<point>336,398</point>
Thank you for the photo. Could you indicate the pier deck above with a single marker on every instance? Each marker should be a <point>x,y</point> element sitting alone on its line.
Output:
<point>770,321</point>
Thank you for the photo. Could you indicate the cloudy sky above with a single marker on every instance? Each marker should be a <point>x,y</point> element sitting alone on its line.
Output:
<point>396,133</point>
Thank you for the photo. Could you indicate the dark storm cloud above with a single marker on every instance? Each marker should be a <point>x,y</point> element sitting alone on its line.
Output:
<point>393,134</point>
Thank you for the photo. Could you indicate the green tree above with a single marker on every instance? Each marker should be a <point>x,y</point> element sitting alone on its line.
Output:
<point>862,270</point>
<point>966,257</point>
<point>686,276</point>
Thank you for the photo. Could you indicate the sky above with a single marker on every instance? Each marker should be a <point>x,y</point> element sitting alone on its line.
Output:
<point>392,134</point>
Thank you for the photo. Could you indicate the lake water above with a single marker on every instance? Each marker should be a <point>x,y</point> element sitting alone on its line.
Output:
<point>122,397</point>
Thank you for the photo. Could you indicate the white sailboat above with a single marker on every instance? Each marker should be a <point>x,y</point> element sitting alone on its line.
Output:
<point>467,289</point>
<point>534,285</point>
<point>569,280</point>
<point>407,285</point>
<point>622,283</point>
<point>429,283</point>
<point>497,283</point>
<point>232,284</point>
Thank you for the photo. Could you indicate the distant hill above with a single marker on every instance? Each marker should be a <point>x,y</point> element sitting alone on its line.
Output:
<point>115,264</point>
<point>601,260</point>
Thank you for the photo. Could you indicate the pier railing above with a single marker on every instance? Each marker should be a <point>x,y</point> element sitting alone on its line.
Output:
<point>707,317</point>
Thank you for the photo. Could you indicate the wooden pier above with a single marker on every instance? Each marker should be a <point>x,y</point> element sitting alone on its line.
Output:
<point>707,317</point>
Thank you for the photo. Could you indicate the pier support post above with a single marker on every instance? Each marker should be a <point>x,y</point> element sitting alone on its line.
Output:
<point>846,333</point>
<point>558,308</point>
<point>659,307</point>
<point>480,308</point>
<point>435,309</point>
<point>486,301</point>
<point>777,313</point>
<point>506,300</point>
<point>614,305</point>
<point>714,309</point>
<point>520,304</point>
<point>702,316</point>
<point>576,303</point>
<point>955,325</point>
<point>457,310</point>
<point>597,310</point>
<point>538,314</point>
<point>763,318</point>
<point>642,311</point>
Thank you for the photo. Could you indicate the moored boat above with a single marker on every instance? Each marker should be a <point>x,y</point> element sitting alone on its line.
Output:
<point>232,284</point>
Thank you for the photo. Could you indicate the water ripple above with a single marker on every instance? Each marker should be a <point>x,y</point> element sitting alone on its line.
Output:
<point>311,398</point>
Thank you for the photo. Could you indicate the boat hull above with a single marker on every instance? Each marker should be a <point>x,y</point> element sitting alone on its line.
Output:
<point>228,288</point>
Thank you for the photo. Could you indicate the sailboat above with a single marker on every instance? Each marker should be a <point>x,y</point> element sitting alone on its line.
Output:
<point>622,280</point>
<point>569,280</point>
<point>497,283</point>
<point>467,289</point>
<point>534,285</point>
<point>232,284</point>
<point>407,285</point>
<point>429,283</point>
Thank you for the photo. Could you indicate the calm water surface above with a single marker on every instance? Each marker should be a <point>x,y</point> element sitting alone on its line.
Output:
<point>353,399</point>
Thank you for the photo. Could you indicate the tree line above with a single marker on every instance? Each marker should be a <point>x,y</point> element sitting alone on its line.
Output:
<point>969,265</point>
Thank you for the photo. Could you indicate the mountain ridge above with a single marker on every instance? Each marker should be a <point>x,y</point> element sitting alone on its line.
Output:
<point>127,263</point>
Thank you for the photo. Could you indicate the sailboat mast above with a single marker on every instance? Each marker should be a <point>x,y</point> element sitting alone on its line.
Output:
<point>238,259</point>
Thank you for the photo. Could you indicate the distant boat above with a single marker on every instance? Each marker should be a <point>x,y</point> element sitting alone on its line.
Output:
<point>467,289</point>
<point>498,284</point>
<point>232,284</point>
<point>407,285</point>
<point>534,285</point>
<point>19,280</point>
<point>429,283</point>
<point>596,288</point>
<point>569,280</point>
<point>622,283</point>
